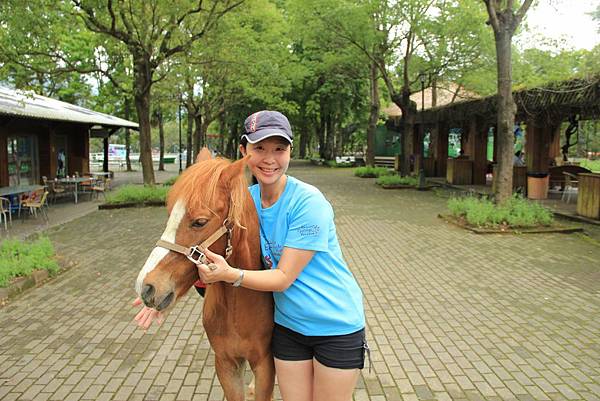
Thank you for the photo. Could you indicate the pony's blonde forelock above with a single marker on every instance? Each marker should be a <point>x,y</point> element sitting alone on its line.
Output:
<point>198,186</point>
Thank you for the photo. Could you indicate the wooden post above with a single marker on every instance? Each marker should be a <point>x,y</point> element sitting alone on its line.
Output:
<point>3,158</point>
<point>441,149</point>
<point>478,144</point>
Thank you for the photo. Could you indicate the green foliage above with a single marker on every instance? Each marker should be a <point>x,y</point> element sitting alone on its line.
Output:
<point>19,259</point>
<point>396,180</point>
<point>138,194</point>
<point>593,165</point>
<point>371,172</point>
<point>517,212</point>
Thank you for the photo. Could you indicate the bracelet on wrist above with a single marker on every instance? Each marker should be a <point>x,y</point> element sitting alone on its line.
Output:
<point>239,280</point>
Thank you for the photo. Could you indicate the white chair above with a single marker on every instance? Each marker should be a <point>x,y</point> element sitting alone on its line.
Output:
<point>5,212</point>
<point>570,187</point>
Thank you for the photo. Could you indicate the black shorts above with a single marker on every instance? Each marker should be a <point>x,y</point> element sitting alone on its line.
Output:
<point>343,352</point>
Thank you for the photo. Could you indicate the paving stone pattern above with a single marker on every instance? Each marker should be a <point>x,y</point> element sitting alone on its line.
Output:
<point>451,315</point>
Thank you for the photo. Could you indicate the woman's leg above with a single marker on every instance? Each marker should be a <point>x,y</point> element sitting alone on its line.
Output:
<point>333,384</point>
<point>295,379</point>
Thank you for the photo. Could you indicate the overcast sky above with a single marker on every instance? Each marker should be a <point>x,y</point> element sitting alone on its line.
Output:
<point>562,19</point>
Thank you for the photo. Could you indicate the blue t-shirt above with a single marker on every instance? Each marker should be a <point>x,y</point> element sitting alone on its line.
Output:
<point>325,299</point>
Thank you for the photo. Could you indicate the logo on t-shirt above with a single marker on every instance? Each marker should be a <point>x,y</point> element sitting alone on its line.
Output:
<point>309,230</point>
<point>268,262</point>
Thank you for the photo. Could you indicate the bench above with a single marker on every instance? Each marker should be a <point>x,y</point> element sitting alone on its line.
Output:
<point>557,178</point>
<point>385,161</point>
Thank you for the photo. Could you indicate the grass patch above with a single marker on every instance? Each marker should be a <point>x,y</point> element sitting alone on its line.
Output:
<point>19,258</point>
<point>397,180</point>
<point>593,165</point>
<point>371,172</point>
<point>515,213</point>
<point>137,194</point>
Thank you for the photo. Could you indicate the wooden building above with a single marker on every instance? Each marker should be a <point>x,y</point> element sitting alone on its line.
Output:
<point>40,136</point>
<point>542,110</point>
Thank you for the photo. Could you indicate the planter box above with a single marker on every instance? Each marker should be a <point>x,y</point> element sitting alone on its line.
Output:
<point>106,206</point>
<point>555,228</point>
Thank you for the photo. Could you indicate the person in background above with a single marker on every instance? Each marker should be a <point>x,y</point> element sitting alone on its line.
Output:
<point>518,160</point>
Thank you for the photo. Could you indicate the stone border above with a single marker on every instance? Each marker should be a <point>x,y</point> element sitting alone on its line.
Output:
<point>38,277</point>
<point>397,186</point>
<point>107,206</point>
<point>538,230</point>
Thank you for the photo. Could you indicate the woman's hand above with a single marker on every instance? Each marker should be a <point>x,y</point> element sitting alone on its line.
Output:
<point>217,270</point>
<point>146,316</point>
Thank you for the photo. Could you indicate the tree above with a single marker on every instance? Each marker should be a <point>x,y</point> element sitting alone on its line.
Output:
<point>504,21</point>
<point>405,39</point>
<point>153,32</point>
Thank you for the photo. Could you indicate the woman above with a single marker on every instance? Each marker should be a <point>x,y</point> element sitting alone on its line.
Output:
<point>319,338</point>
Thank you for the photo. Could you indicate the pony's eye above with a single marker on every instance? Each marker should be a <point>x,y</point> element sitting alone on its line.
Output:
<point>198,223</point>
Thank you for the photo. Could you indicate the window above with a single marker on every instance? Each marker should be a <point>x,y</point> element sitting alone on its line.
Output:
<point>22,160</point>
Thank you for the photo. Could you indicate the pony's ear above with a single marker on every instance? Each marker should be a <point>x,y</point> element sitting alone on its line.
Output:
<point>234,170</point>
<point>203,155</point>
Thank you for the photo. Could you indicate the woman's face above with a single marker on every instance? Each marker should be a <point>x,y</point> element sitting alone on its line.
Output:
<point>270,159</point>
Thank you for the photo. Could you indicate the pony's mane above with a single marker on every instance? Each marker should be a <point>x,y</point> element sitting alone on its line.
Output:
<point>197,186</point>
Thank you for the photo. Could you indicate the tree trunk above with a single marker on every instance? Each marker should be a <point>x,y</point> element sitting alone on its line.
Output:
<point>190,130</point>
<point>304,133</point>
<point>127,136</point>
<point>322,128</point>
<point>409,109</point>
<point>161,141</point>
<point>506,117</point>
<point>198,133</point>
<point>222,134</point>
<point>143,82</point>
<point>373,115</point>
<point>330,136</point>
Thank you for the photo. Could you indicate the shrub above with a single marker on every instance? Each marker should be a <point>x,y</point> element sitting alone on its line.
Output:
<point>371,172</point>
<point>396,180</point>
<point>21,258</point>
<point>517,212</point>
<point>138,194</point>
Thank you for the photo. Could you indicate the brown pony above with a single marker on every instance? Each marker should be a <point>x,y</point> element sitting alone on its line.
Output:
<point>208,196</point>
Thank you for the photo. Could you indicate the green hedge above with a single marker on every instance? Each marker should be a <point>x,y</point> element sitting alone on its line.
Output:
<point>516,212</point>
<point>19,258</point>
<point>137,194</point>
<point>396,180</point>
<point>372,172</point>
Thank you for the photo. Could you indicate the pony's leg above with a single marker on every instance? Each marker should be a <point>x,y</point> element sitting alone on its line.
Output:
<point>264,378</point>
<point>231,376</point>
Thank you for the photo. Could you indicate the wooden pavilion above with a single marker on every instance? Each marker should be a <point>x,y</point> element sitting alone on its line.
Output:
<point>40,136</point>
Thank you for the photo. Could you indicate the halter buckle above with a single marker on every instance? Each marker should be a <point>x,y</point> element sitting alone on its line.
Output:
<point>196,255</point>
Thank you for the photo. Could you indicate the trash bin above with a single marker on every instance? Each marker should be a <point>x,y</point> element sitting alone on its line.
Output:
<point>537,185</point>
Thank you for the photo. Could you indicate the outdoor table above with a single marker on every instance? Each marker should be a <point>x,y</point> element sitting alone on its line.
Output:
<point>588,197</point>
<point>13,192</point>
<point>75,181</point>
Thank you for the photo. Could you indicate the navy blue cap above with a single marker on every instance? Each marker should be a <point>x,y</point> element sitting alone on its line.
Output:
<point>265,124</point>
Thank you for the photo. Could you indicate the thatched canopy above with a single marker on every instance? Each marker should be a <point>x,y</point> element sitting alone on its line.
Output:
<point>446,94</point>
<point>555,101</point>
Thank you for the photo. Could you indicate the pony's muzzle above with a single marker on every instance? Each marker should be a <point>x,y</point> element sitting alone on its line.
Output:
<point>152,301</point>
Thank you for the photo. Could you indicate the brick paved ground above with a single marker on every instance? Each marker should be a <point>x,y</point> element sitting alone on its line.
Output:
<point>452,315</point>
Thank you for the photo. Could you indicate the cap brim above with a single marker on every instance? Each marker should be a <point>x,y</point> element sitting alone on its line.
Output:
<point>264,134</point>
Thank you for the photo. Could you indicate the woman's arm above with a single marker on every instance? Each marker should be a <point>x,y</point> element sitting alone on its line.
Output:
<point>288,269</point>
